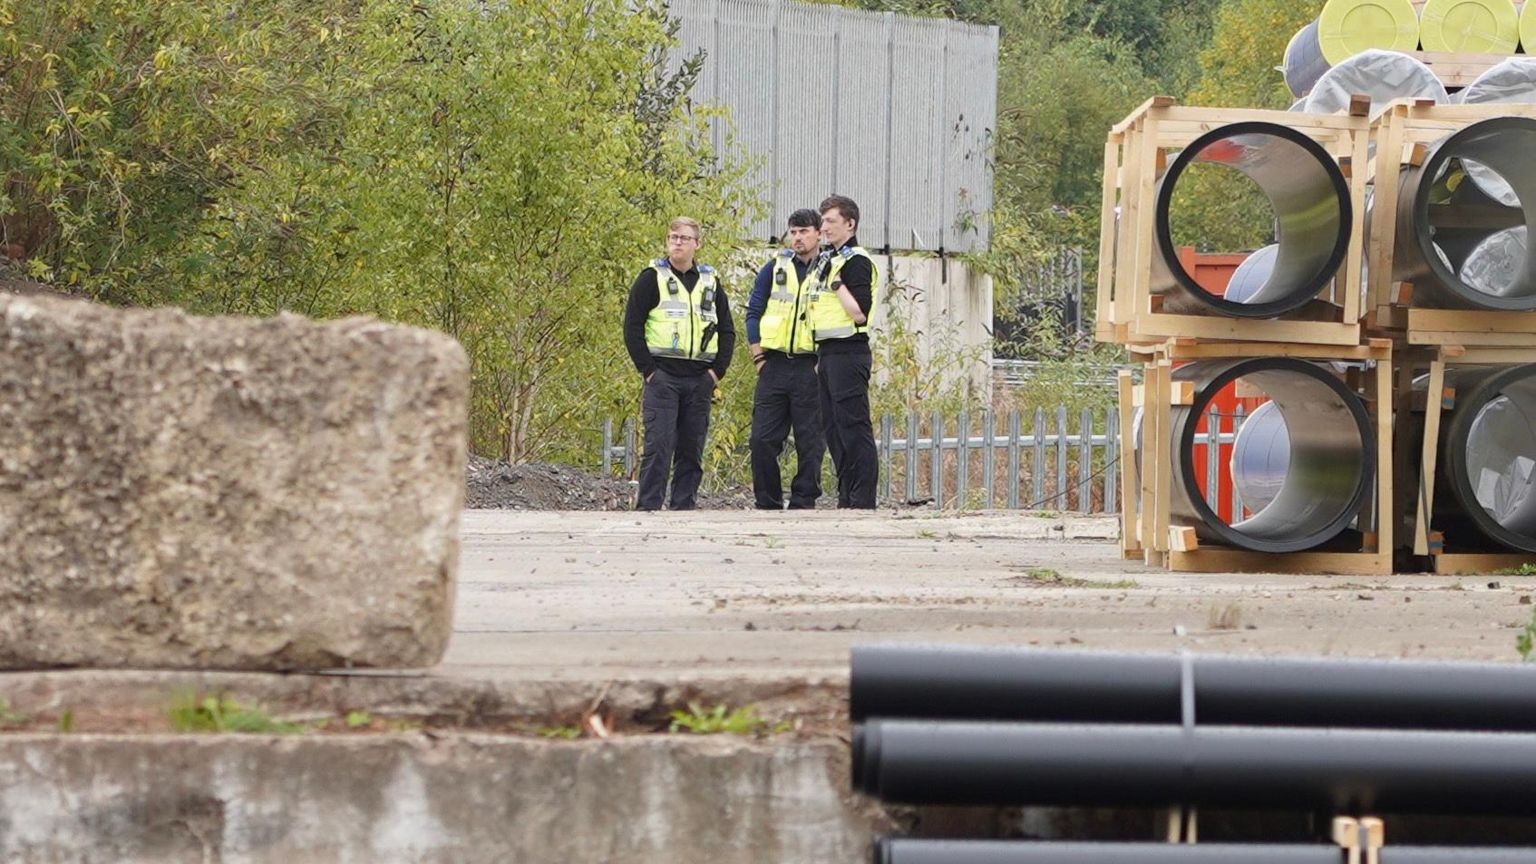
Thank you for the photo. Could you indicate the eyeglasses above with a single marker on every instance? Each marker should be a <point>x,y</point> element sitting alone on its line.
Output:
<point>681,238</point>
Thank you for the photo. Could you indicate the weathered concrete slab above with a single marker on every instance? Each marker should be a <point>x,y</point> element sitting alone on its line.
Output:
<point>225,492</point>
<point>462,799</point>
<point>600,596</point>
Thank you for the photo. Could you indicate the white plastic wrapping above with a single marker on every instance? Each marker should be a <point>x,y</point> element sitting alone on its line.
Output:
<point>1495,265</point>
<point>1501,456</point>
<point>1381,75</point>
<point>1511,81</point>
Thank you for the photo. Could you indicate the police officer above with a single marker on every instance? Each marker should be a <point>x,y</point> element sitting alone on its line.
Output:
<point>678,330</point>
<point>784,353</point>
<point>843,300</point>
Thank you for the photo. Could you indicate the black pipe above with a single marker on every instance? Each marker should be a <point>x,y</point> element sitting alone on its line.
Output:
<point>1489,445</point>
<point>1332,454</point>
<point>1312,209</point>
<point>1324,770</point>
<point>1442,215</point>
<point>902,851</point>
<point>972,683</point>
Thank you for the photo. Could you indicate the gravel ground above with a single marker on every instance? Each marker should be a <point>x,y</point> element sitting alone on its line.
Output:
<point>493,485</point>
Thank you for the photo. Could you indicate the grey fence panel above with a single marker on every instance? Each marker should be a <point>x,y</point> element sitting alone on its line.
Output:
<point>864,99</point>
<point>804,169</point>
<point>970,113</point>
<point>911,454</point>
<point>1014,427</point>
<point>745,56</point>
<point>1111,457</point>
<point>936,459</point>
<point>962,458</point>
<point>698,33</point>
<point>894,111</point>
<point>1085,459</point>
<point>989,459</point>
<point>1037,464</point>
<point>917,144</point>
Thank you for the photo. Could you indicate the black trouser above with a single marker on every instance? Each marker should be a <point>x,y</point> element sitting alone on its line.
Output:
<point>844,380</point>
<point>676,414</point>
<point>786,396</point>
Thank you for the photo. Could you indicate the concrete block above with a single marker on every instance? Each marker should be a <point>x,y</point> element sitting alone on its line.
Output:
<point>183,492</point>
<point>460,799</point>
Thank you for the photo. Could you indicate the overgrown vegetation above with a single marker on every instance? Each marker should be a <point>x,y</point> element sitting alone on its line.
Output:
<point>723,720</point>
<point>10,717</point>
<point>192,712</point>
<point>1525,640</point>
<point>465,167</point>
<point>456,166</point>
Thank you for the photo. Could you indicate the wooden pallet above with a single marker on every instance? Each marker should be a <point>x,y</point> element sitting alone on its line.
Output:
<point>1148,532</point>
<point>1456,69</point>
<point>1401,136</point>
<point>1135,157</point>
<point>1419,480</point>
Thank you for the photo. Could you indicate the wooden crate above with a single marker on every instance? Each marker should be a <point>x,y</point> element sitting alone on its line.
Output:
<point>1148,532</point>
<point>1135,157</point>
<point>1456,69</point>
<point>1401,135</point>
<point>1418,476</point>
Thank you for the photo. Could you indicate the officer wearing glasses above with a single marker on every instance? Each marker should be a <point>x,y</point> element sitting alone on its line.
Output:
<point>679,334</point>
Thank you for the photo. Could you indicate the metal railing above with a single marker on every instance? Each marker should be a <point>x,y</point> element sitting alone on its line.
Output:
<point>1050,460</point>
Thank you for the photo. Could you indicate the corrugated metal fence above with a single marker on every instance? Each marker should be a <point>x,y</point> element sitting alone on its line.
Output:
<point>1052,460</point>
<point>894,111</point>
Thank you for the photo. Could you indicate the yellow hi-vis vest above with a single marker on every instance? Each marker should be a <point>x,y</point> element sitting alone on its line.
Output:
<point>829,320</point>
<point>683,323</point>
<point>785,325</point>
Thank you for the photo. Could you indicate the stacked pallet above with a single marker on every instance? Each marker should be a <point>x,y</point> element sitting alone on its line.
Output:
<point>1356,302</point>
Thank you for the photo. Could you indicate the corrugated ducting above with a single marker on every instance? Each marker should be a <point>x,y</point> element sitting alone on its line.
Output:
<point>893,111</point>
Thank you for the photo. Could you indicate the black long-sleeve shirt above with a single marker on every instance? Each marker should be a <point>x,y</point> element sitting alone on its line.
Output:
<point>858,274</point>
<point>644,294</point>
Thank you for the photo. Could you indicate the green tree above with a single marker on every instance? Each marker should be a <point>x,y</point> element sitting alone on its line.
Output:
<point>514,184</point>
<point>464,167</point>
<point>1247,43</point>
<point>1217,209</point>
<point>122,122</point>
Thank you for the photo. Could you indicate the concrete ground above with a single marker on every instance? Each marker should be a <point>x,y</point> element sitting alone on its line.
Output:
<point>592,595</point>
<point>564,618</point>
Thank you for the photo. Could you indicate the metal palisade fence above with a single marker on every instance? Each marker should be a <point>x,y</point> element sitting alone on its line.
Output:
<point>1045,460</point>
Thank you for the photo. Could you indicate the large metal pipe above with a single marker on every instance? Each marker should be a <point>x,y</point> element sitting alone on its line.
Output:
<point>904,851</point>
<point>1441,220</point>
<point>1489,452</point>
<point>1331,457</point>
<point>1312,210</point>
<point>1261,456</point>
<point>1035,684</point>
<point>1097,765</point>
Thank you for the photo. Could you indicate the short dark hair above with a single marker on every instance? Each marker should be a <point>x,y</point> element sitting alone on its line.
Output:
<point>843,205</point>
<point>805,217</point>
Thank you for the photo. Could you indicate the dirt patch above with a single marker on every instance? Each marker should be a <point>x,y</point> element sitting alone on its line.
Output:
<point>496,485</point>
<point>493,485</point>
<point>14,280</point>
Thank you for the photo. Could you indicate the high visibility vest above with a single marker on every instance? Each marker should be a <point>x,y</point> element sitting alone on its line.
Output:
<point>829,320</point>
<point>785,325</point>
<point>683,323</point>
